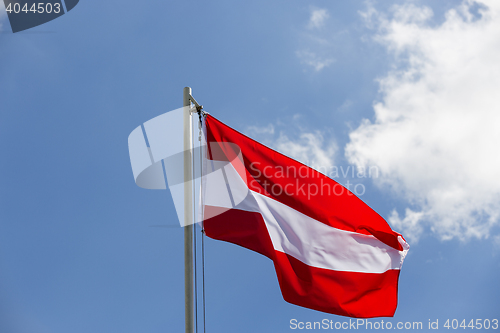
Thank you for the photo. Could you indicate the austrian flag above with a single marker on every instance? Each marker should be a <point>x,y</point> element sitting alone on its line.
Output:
<point>331,252</point>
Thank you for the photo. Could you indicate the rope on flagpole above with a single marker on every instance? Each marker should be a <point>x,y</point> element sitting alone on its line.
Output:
<point>203,276</point>
<point>201,115</point>
<point>194,240</point>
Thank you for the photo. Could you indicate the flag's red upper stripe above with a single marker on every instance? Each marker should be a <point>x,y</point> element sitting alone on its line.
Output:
<point>298,186</point>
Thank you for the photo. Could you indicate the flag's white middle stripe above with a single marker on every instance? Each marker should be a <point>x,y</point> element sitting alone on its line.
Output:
<point>306,239</point>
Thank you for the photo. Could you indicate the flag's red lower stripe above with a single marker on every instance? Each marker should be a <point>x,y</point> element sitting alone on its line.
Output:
<point>362,295</point>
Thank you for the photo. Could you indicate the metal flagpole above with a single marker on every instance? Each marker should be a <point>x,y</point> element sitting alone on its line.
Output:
<point>188,216</point>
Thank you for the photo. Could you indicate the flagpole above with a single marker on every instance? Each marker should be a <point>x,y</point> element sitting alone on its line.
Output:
<point>188,216</point>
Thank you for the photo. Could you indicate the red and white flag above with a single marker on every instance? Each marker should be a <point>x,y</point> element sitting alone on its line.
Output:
<point>331,251</point>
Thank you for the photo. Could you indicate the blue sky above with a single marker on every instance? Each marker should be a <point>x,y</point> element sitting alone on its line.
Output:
<point>405,86</point>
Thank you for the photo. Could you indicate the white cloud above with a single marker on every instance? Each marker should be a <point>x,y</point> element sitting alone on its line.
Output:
<point>316,44</point>
<point>345,106</point>
<point>496,241</point>
<point>436,131</point>
<point>256,130</point>
<point>307,147</point>
<point>312,59</point>
<point>411,224</point>
<point>318,18</point>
